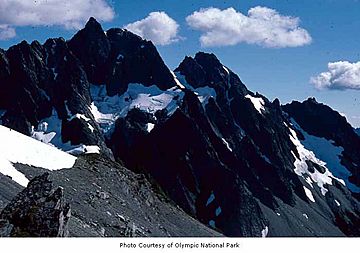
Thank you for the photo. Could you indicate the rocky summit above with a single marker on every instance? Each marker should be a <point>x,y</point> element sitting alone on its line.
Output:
<point>103,139</point>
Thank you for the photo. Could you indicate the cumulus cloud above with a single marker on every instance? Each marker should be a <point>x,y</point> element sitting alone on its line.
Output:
<point>262,26</point>
<point>340,75</point>
<point>71,14</point>
<point>157,27</point>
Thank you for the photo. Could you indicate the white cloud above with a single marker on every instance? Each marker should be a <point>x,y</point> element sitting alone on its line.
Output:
<point>6,32</point>
<point>340,75</point>
<point>157,27</point>
<point>71,14</point>
<point>262,26</point>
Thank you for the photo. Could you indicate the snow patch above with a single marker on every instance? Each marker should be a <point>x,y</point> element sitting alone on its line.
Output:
<point>29,152</point>
<point>212,223</point>
<point>149,127</point>
<point>49,132</point>
<point>227,144</point>
<point>210,199</point>
<point>106,110</point>
<point>218,211</point>
<point>82,117</point>
<point>257,102</point>
<point>309,194</point>
<point>226,70</point>
<point>309,181</point>
<point>301,167</point>
<point>178,83</point>
<point>182,80</point>
<point>119,57</point>
<point>326,154</point>
<point>204,93</point>
<point>55,73</point>
<point>265,158</point>
<point>265,232</point>
<point>337,202</point>
<point>84,149</point>
<point>305,215</point>
<point>79,116</point>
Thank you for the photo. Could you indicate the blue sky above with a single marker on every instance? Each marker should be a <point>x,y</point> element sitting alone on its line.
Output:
<point>283,72</point>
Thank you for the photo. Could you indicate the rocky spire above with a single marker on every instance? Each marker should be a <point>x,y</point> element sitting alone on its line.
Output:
<point>39,210</point>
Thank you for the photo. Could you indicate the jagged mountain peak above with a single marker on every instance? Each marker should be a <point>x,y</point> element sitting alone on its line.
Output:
<point>208,60</point>
<point>92,23</point>
<point>92,47</point>
<point>206,70</point>
<point>91,29</point>
<point>311,100</point>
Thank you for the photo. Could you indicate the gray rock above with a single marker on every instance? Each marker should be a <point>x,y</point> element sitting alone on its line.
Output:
<point>39,210</point>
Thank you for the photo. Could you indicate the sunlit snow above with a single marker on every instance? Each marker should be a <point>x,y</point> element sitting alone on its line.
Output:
<point>309,194</point>
<point>301,167</point>
<point>178,83</point>
<point>84,149</point>
<point>227,144</point>
<point>149,127</point>
<point>326,154</point>
<point>30,152</point>
<point>257,102</point>
<point>203,93</point>
<point>264,232</point>
<point>106,110</point>
<point>226,70</point>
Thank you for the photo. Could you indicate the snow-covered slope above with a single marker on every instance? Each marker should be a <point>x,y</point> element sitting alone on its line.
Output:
<point>18,148</point>
<point>107,110</point>
<point>330,157</point>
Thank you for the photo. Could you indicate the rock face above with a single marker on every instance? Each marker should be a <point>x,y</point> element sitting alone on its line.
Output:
<point>321,121</point>
<point>37,211</point>
<point>235,161</point>
<point>357,130</point>
<point>108,200</point>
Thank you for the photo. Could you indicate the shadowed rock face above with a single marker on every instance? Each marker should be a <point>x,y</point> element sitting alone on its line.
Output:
<point>37,211</point>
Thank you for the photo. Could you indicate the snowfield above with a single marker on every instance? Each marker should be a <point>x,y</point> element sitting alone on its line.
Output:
<point>301,167</point>
<point>106,110</point>
<point>324,153</point>
<point>257,102</point>
<point>30,152</point>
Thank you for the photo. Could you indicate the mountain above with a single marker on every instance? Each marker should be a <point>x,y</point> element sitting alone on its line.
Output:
<point>91,196</point>
<point>357,130</point>
<point>158,145</point>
